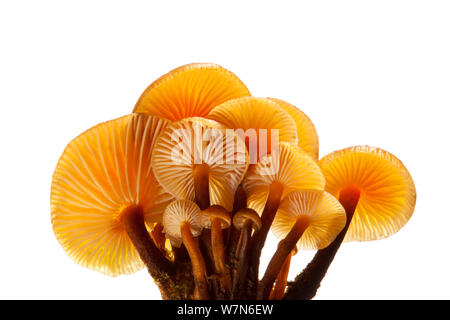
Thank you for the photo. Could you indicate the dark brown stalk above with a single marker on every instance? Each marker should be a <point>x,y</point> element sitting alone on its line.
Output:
<point>241,269</point>
<point>240,202</point>
<point>259,239</point>
<point>201,186</point>
<point>158,266</point>
<point>180,255</point>
<point>201,190</point>
<point>133,220</point>
<point>219,255</point>
<point>306,284</point>
<point>285,247</point>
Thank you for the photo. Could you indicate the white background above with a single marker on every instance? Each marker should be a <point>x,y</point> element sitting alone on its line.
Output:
<point>366,72</point>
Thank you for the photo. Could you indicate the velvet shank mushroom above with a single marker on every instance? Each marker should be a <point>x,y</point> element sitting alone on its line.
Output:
<point>270,180</point>
<point>198,159</point>
<point>182,223</point>
<point>378,195</point>
<point>190,91</point>
<point>387,194</point>
<point>104,197</point>
<point>199,155</point>
<point>306,219</point>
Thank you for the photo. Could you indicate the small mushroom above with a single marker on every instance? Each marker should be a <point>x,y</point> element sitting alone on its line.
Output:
<point>308,139</point>
<point>217,218</point>
<point>181,221</point>
<point>104,197</point>
<point>199,159</point>
<point>245,220</point>
<point>190,91</point>
<point>308,219</point>
<point>270,180</point>
<point>254,119</point>
<point>378,195</point>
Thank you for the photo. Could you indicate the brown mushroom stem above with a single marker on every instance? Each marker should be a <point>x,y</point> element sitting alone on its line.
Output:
<point>257,243</point>
<point>219,253</point>
<point>240,202</point>
<point>201,185</point>
<point>240,272</point>
<point>281,281</point>
<point>198,263</point>
<point>285,247</point>
<point>132,219</point>
<point>201,191</point>
<point>306,284</point>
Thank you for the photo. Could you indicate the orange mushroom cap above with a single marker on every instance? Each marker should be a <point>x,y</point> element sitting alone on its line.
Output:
<point>387,194</point>
<point>308,139</point>
<point>323,213</point>
<point>256,118</point>
<point>191,90</point>
<point>191,140</point>
<point>291,169</point>
<point>101,173</point>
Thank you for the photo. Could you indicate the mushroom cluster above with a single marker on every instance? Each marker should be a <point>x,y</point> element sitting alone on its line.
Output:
<point>191,182</point>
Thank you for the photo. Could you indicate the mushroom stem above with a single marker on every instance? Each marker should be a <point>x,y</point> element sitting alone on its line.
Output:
<point>132,219</point>
<point>201,185</point>
<point>240,202</point>
<point>198,263</point>
<point>285,247</point>
<point>257,243</point>
<point>281,281</point>
<point>240,272</point>
<point>219,253</point>
<point>306,284</point>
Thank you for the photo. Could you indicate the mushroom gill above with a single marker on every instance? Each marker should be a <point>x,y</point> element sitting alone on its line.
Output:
<point>199,159</point>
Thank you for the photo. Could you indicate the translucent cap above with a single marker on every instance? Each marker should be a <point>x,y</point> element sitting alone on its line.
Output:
<point>191,142</point>
<point>291,168</point>
<point>177,213</point>
<point>325,216</point>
